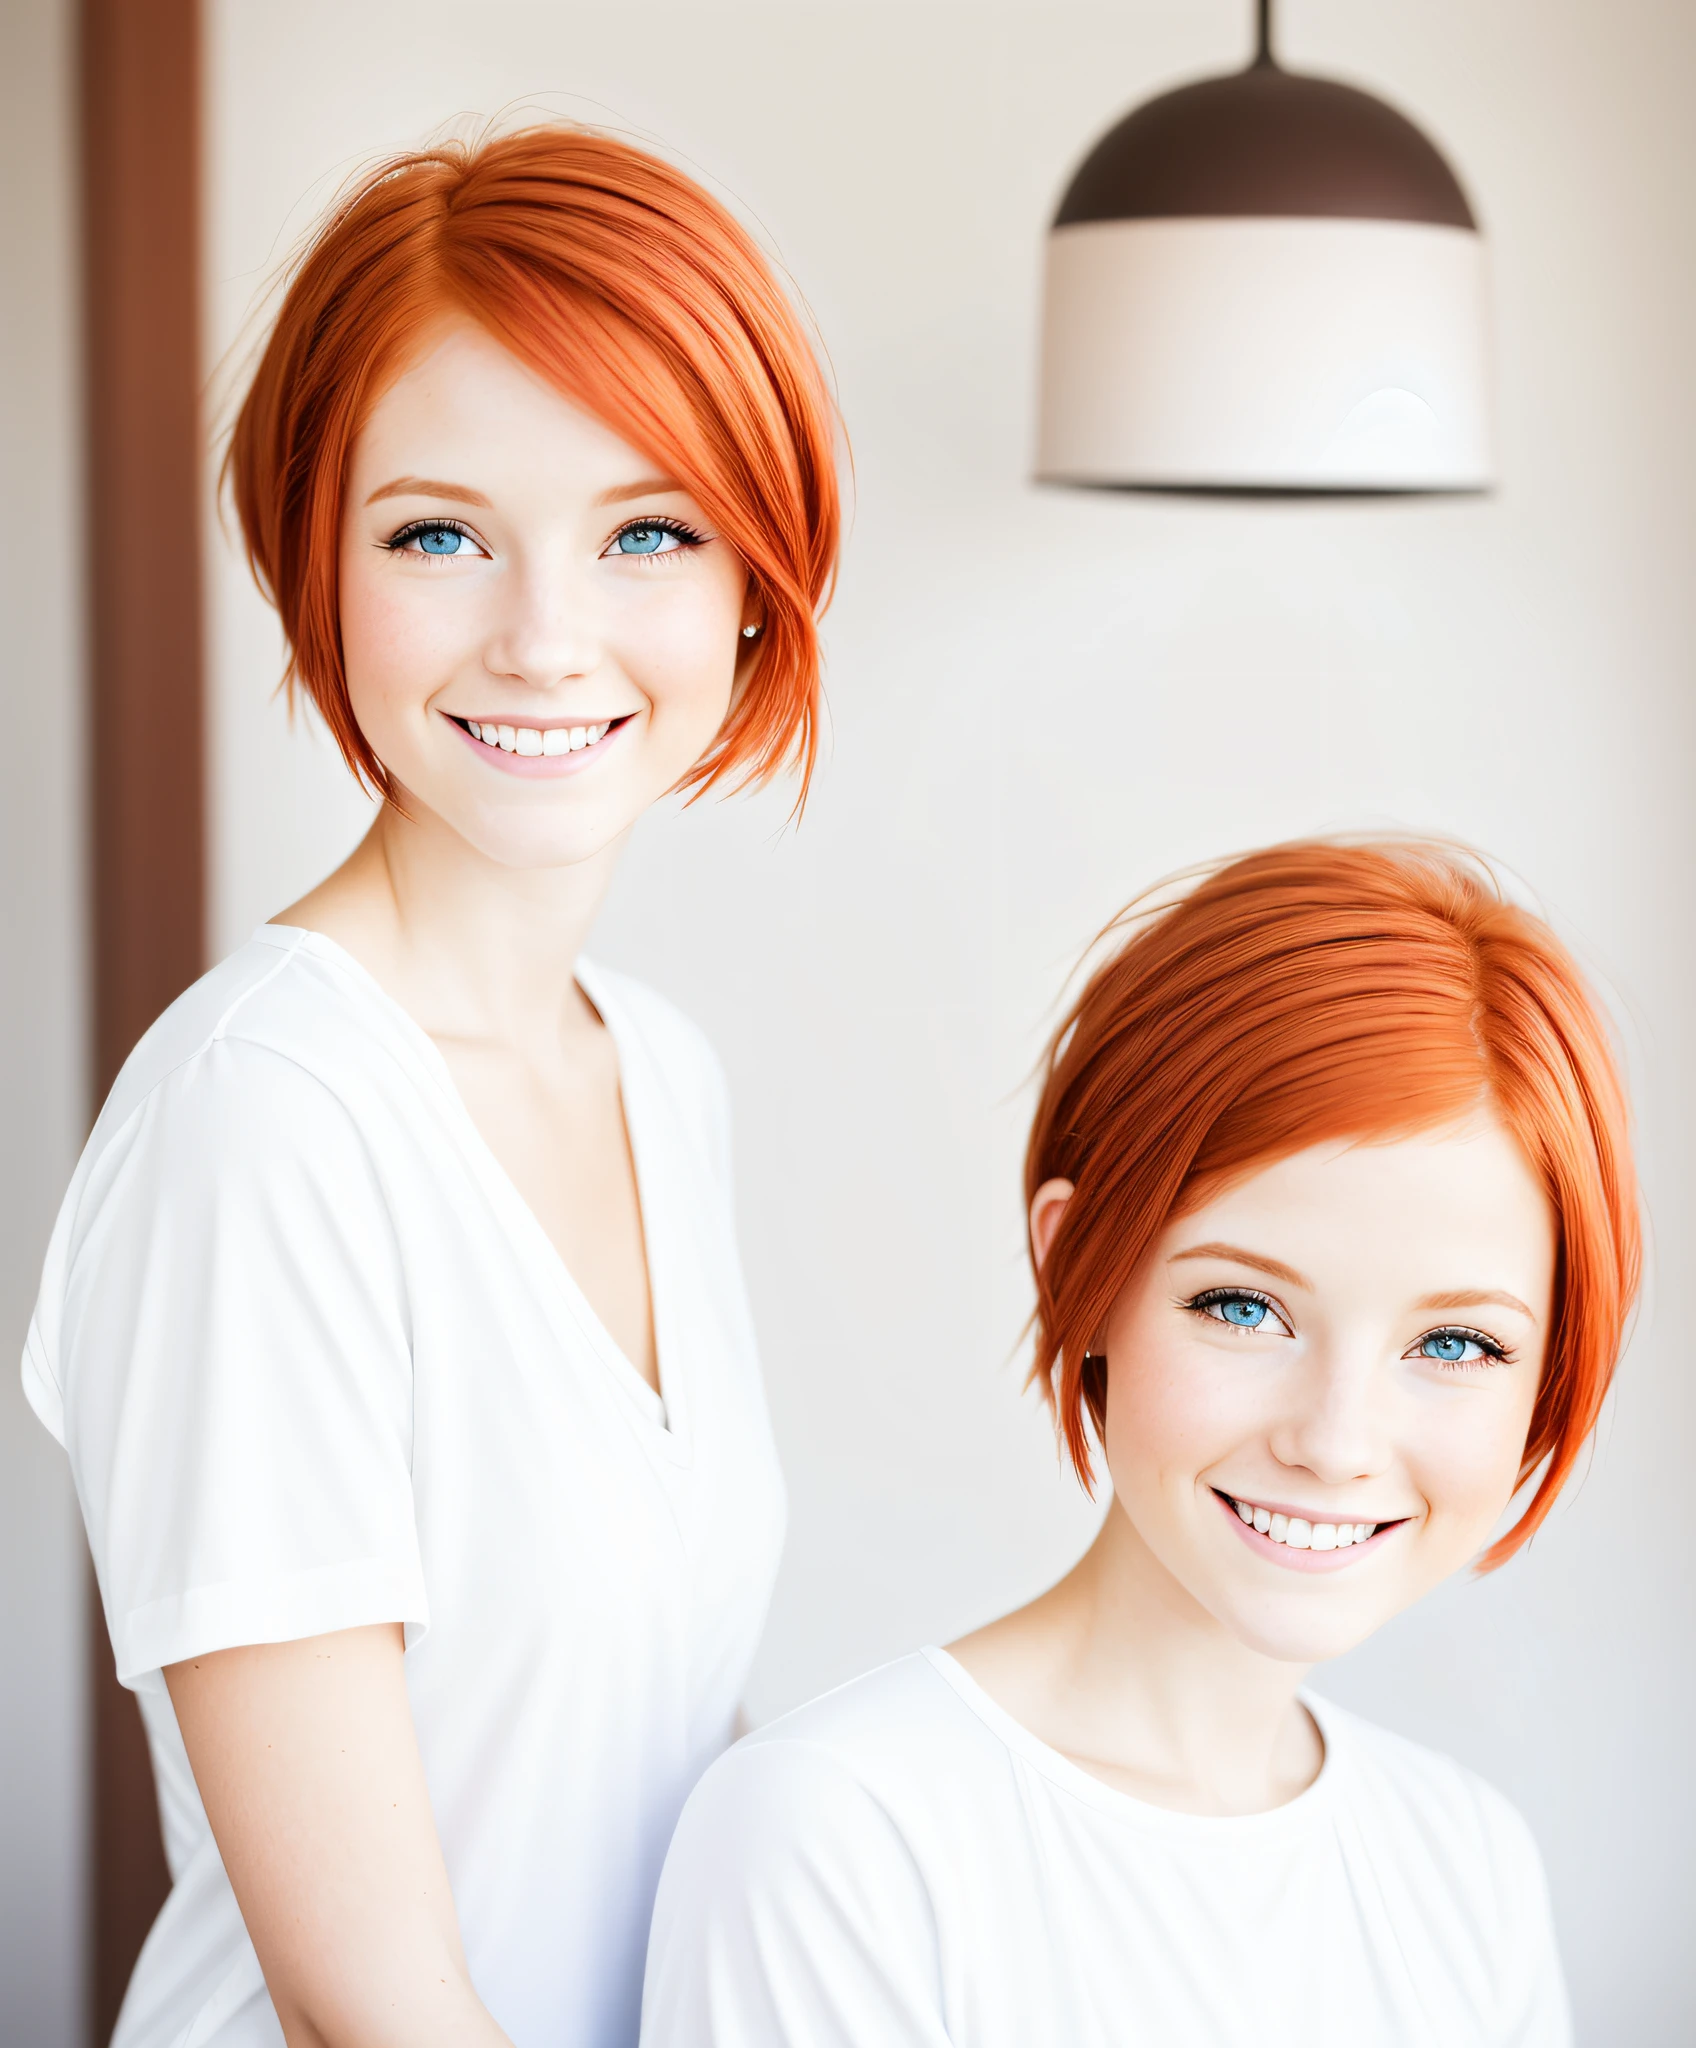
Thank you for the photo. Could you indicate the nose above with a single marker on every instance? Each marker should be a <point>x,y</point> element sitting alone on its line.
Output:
<point>546,631</point>
<point>1337,1424</point>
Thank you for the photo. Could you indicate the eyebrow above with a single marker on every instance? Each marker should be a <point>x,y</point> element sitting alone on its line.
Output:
<point>644,487</point>
<point>428,487</point>
<point>1465,1297</point>
<point>1476,1297</point>
<point>1258,1260</point>
<point>435,487</point>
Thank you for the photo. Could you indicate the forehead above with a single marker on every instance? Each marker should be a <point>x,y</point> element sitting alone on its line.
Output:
<point>463,403</point>
<point>1436,1210</point>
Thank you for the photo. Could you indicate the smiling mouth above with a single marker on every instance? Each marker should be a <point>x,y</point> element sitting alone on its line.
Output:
<point>1298,1532</point>
<point>534,741</point>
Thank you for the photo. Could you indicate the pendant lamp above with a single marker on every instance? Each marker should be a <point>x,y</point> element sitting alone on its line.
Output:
<point>1265,283</point>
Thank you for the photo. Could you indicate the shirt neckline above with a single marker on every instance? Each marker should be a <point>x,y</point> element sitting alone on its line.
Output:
<point>1082,1785</point>
<point>664,1411</point>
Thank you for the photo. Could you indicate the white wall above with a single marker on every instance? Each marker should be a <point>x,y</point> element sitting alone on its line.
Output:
<point>42,1746</point>
<point>1043,700</point>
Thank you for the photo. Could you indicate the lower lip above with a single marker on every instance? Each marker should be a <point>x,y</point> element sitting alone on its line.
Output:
<point>1303,1560</point>
<point>541,767</point>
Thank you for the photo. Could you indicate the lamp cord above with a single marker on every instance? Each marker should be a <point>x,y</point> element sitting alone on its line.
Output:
<point>1263,57</point>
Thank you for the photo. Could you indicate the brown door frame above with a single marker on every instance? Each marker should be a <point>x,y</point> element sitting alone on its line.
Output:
<point>140,68</point>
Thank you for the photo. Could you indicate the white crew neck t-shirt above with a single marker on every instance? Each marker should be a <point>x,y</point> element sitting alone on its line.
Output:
<point>902,1865</point>
<point>317,1365</point>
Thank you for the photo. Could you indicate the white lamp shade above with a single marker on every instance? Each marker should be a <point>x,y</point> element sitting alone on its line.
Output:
<point>1266,354</point>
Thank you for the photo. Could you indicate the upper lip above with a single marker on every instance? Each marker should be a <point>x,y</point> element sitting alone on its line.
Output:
<point>1310,1515</point>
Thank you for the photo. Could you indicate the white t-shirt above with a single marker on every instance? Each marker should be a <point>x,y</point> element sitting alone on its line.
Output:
<point>317,1365</point>
<point>902,1865</point>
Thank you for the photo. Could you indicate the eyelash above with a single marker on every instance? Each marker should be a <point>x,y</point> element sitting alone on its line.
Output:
<point>1497,1352</point>
<point>1210,1297</point>
<point>1490,1346</point>
<point>414,527</point>
<point>686,534</point>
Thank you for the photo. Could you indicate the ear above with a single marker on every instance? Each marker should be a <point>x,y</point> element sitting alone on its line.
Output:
<point>1048,1205</point>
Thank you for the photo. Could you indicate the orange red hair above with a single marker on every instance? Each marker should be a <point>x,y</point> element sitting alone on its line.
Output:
<point>1320,991</point>
<point>629,289</point>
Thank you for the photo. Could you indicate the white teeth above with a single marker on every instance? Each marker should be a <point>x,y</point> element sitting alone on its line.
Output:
<point>531,740</point>
<point>1297,1534</point>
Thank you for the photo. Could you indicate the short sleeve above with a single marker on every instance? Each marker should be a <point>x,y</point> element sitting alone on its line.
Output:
<point>791,1914</point>
<point>222,1344</point>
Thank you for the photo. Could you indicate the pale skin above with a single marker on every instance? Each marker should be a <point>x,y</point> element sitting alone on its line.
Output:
<point>506,560</point>
<point>1276,1347</point>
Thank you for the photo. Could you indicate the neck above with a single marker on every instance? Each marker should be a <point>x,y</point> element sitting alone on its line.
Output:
<point>1123,1671</point>
<point>472,949</point>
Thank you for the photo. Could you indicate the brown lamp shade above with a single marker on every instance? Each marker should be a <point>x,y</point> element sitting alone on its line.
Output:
<point>1266,142</point>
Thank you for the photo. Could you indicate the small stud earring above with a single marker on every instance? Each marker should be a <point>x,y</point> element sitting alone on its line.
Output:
<point>748,632</point>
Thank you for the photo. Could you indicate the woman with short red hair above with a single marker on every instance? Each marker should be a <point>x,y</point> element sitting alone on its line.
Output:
<point>393,1322</point>
<point>1335,1235</point>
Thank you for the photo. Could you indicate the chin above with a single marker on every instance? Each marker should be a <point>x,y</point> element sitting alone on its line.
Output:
<point>1309,1630</point>
<point>535,836</point>
<point>1293,1645</point>
<point>555,846</point>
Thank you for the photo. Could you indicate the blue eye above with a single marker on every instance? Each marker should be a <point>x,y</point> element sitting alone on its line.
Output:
<point>437,538</point>
<point>1232,1306</point>
<point>1457,1347</point>
<point>645,540</point>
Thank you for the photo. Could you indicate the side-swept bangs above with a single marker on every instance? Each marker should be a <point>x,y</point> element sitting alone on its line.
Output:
<point>1318,991</point>
<point>630,290</point>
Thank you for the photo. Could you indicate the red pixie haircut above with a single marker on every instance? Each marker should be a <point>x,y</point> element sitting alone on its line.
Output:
<point>631,291</point>
<point>1321,991</point>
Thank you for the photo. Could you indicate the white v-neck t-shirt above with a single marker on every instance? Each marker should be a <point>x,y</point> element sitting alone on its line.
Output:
<point>317,1365</point>
<point>902,1865</point>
